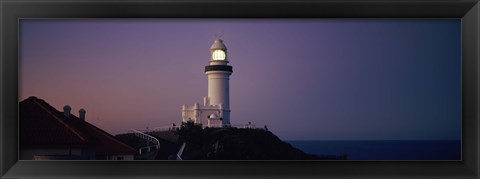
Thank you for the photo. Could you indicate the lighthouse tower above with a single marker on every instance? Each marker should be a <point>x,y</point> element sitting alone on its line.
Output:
<point>215,111</point>
<point>218,74</point>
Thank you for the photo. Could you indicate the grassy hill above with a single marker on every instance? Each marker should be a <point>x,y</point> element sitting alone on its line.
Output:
<point>240,144</point>
<point>225,144</point>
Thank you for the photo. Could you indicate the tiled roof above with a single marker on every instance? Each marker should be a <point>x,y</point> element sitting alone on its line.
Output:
<point>42,126</point>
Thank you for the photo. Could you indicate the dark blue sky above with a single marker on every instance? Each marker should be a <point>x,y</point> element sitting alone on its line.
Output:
<point>304,79</point>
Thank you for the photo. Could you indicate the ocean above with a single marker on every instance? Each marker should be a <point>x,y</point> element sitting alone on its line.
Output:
<point>383,149</point>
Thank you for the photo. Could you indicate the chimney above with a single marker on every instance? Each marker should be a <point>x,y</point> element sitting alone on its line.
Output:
<point>205,101</point>
<point>66,110</point>
<point>81,113</point>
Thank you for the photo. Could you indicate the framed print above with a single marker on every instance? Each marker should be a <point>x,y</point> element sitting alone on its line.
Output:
<point>283,89</point>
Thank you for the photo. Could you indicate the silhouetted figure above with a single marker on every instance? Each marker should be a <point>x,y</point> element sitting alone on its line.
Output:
<point>266,128</point>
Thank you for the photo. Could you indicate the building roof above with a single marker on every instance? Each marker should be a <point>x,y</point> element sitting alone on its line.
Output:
<point>213,116</point>
<point>43,126</point>
<point>218,44</point>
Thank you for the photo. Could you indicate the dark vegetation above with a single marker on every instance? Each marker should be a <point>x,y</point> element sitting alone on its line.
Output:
<point>224,144</point>
<point>237,144</point>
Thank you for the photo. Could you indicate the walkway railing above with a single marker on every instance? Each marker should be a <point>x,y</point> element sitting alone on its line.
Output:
<point>166,128</point>
<point>147,137</point>
<point>245,126</point>
<point>173,128</point>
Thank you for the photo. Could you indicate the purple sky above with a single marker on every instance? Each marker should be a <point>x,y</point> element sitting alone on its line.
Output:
<point>304,79</point>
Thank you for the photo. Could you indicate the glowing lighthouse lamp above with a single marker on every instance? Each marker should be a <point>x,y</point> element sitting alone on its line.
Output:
<point>219,55</point>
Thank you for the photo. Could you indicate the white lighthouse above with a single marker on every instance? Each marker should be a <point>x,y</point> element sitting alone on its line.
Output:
<point>215,111</point>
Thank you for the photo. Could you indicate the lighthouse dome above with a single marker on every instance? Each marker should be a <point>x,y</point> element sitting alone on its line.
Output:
<point>213,116</point>
<point>218,44</point>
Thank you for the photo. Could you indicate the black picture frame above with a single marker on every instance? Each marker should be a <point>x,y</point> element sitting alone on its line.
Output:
<point>467,10</point>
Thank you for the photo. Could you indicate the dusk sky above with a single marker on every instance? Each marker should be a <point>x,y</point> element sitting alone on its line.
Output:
<point>304,78</point>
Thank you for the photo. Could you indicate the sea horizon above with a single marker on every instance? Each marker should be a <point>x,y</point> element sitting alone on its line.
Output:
<point>436,149</point>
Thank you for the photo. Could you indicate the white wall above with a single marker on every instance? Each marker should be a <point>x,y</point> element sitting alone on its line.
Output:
<point>203,113</point>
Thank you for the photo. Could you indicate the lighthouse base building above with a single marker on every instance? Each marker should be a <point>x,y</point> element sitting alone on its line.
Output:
<point>208,115</point>
<point>215,111</point>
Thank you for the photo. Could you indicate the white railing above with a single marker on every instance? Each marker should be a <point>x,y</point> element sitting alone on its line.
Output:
<point>214,125</point>
<point>166,128</point>
<point>173,128</point>
<point>244,126</point>
<point>147,137</point>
